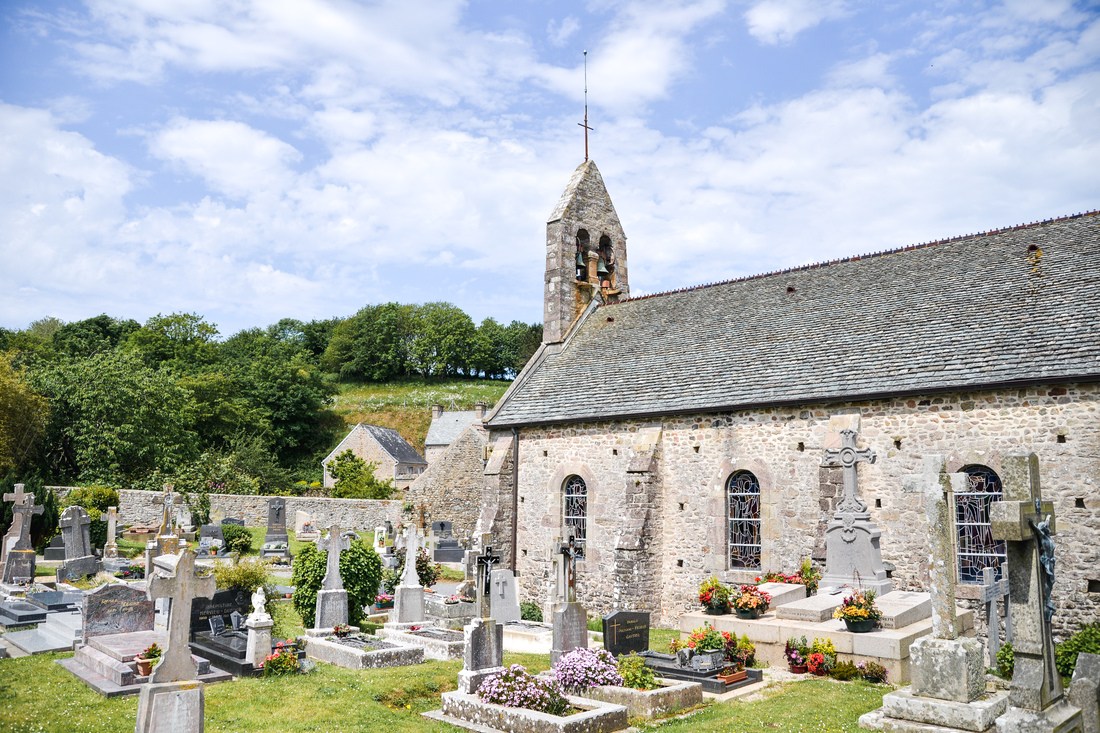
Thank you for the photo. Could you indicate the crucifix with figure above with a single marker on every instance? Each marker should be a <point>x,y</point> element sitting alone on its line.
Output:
<point>485,562</point>
<point>568,550</point>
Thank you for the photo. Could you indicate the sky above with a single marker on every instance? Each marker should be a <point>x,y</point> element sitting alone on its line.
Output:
<point>252,160</point>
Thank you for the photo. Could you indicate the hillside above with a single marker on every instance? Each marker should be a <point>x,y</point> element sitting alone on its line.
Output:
<point>406,405</point>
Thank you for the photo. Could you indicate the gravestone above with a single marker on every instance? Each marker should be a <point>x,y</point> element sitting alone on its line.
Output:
<point>175,700</point>
<point>212,541</point>
<point>276,542</point>
<point>221,605</point>
<point>408,599</point>
<point>214,636</point>
<point>570,627</point>
<point>80,559</point>
<point>167,539</point>
<point>1084,691</point>
<point>626,632</point>
<point>110,550</point>
<point>1027,524</point>
<point>116,608</point>
<point>504,603</point>
<point>993,592</point>
<point>55,551</point>
<point>948,672</point>
<point>483,651</point>
<point>332,599</point>
<point>467,589</point>
<point>17,558</point>
<point>305,526</point>
<point>852,553</point>
<point>445,547</point>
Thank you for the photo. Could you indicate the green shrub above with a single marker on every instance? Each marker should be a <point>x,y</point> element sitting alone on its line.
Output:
<point>595,623</point>
<point>360,569</point>
<point>530,611</point>
<point>845,671</point>
<point>390,579</point>
<point>244,574</point>
<point>1006,661</point>
<point>427,572</point>
<point>636,674</point>
<point>1085,640</point>
<point>237,538</point>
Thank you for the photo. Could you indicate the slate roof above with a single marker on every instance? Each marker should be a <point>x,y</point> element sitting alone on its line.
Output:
<point>390,440</point>
<point>448,426</point>
<point>1019,305</point>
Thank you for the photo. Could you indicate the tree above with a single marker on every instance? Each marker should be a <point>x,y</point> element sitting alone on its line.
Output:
<point>183,342</point>
<point>443,341</point>
<point>92,335</point>
<point>22,416</point>
<point>523,340</point>
<point>355,478</point>
<point>373,344</point>
<point>489,356</point>
<point>360,569</point>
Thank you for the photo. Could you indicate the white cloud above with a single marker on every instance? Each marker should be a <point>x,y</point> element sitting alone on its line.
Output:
<point>559,32</point>
<point>779,21</point>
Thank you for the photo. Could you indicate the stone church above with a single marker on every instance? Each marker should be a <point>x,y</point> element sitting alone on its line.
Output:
<point>681,435</point>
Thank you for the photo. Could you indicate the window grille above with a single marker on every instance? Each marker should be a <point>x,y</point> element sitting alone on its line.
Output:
<point>743,535</point>
<point>976,548</point>
<point>575,512</point>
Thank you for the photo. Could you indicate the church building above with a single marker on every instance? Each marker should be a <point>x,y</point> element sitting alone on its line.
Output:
<point>681,435</point>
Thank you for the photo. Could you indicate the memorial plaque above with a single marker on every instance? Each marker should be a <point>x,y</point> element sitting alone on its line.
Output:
<point>626,632</point>
<point>217,625</point>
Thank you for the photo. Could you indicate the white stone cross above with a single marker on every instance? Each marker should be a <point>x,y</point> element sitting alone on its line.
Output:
<point>23,510</point>
<point>334,545</point>
<point>409,576</point>
<point>177,664</point>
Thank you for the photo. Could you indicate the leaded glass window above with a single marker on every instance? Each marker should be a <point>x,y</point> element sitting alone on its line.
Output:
<point>977,549</point>
<point>743,500</point>
<point>575,511</point>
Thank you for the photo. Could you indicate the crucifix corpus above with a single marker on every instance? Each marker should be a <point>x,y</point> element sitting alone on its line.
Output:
<point>167,501</point>
<point>568,550</point>
<point>485,562</point>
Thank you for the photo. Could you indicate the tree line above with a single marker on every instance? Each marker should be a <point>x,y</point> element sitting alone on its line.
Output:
<point>117,403</point>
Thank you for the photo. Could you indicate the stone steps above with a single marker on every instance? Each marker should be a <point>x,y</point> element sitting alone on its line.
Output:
<point>57,633</point>
<point>105,665</point>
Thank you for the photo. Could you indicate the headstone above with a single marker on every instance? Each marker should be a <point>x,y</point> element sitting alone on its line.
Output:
<point>217,625</point>
<point>332,599</point>
<point>80,559</point>
<point>167,540</point>
<point>852,553</point>
<point>276,542</point>
<point>483,652</point>
<point>55,551</point>
<point>1027,524</point>
<point>236,619</point>
<point>221,604</point>
<point>570,627</point>
<point>626,632</point>
<point>948,673</point>
<point>467,589</point>
<point>259,624</point>
<point>17,558</point>
<point>504,603</point>
<point>110,550</point>
<point>116,608</point>
<point>993,593</point>
<point>445,547</point>
<point>303,523</point>
<point>408,601</point>
<point>1084,691</point>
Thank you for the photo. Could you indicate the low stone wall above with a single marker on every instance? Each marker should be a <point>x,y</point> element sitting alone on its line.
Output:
<point>138,507</point>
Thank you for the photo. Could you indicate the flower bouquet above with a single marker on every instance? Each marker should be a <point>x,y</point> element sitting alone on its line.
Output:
<point>148,659</point>
<point>859,611</point>
<point>714,596</point>
<point>796,651</point>
<point>751,602</point>
<point>383,600</point>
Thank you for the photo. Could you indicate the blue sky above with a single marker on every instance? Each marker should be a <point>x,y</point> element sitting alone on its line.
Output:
<point>250,161</point>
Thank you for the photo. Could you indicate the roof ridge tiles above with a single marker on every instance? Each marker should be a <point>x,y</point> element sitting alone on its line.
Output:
<point>857,257</point>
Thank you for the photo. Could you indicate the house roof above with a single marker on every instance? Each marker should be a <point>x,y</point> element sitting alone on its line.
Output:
<point>390,441</point>
<point>448,426</point>
<point>1018,305</point>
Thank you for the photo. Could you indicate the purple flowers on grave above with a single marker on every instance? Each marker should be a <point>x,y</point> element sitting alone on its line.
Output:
<point>516,688</point>
<point>583,668</point>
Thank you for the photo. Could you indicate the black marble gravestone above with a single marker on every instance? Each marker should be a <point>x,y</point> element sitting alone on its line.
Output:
<point>626,632</point>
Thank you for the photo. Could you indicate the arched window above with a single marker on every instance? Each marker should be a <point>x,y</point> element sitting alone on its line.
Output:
<point>976,547</point>
<point>743,500</point>
<point>575,511</point>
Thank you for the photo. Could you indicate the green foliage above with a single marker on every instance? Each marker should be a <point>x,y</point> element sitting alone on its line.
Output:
<point>355,478</point>
<point>873,671</point>
<point>237,538</point>
<point>427,572</point>
<point>530,611</point>
<point>96,499</point>
<point>595,623</point>
<point>845,671</point>
<point>636,674</point>
<point>244,574</point>
<point>1006,661</point>
<point>182,342</point>
<point>1085,640</point>
<point>22,417</point>
<point>390,579</point>
<point>92,336</point>
<point>360,569</point>
<point>199,507</point>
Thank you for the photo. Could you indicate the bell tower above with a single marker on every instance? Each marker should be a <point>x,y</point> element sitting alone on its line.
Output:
<point>585,253</point>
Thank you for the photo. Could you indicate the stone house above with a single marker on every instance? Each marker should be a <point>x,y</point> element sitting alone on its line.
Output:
<point>446,426</point>
<point>681,435</point>
<point>395,459</point>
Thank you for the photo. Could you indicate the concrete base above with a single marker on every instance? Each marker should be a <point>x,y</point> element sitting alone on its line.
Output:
<point>437,643</point>
<point>1060,717</point>
<point>171,707</point>
<point>259,639</point>
<point>948,669</point>
<point>903,711</point>
<point>671,696</point>
<point>469,712</point>
<point>349,657</point>
<point>331,609</point>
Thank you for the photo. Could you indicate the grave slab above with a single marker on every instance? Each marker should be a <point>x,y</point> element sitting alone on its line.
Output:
<point>902,608</point>
<point>813,609</point>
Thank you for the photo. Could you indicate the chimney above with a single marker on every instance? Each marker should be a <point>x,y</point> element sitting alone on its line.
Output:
<point>479,410</point>
<point>437,412</point>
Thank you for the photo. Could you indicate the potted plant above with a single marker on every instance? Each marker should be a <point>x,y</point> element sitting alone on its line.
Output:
<point>706,638</point>
<point>148,659</point>
<point>859,612</point>
<point>751,602</point>
<point>341,630</point>
<point>383,600</point>
<point>732,673</point>
<point>816,664</point>
<point>714,596</point>
<point>796,651</point>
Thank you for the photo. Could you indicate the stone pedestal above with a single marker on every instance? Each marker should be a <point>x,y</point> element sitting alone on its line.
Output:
<point>332,609</point>
<point>948,669</point>
<point>853,556</point>
<point>483,654</point>
<point>408,604</point>
<point>570,630</point>
<point>259,638</point>
<point>171,707</point>
<point>18,564</point>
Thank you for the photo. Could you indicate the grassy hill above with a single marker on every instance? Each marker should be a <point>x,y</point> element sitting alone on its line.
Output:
<point>406,406</point>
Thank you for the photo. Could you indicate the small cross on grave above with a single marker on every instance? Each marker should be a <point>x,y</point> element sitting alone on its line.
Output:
<point>167,521</point>
<point>993,592</point>
<point>177,664</point>
<point>485,562</point>
<point>409,576</point>
<point>568,551</point>
<point>847,457</point>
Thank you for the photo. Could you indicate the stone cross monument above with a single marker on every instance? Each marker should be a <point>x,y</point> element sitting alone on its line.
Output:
<point>80,559</point>
<point>483,653</point>
<point>852,553</point>
<point>167,540</point>
<point>948,672</point>
<point>332,599</point>
<point>570,617</point>
<point>485,562</point>
<point>1026,523</point>
<point>17,558</point>
<point>174,698</point>
<point>408,601</point>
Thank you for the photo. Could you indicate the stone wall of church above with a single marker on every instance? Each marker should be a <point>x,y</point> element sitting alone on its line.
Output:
<point>783,447</point>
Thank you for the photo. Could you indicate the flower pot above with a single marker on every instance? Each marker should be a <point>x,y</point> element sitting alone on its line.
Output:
<point>749,613</point>
<point>387,604</point>
<point>144,666</point>
<point>716,610</point>
<point>798,668</point>
<point>859,626</point>
<point>729,679</point>
<point>820,672</point>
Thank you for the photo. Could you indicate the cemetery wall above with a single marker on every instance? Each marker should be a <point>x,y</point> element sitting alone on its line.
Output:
<point>137,507</point>
<point>783,447</point>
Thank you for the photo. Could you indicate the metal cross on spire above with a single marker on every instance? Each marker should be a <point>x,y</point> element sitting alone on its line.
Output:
<point>585,123</point>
